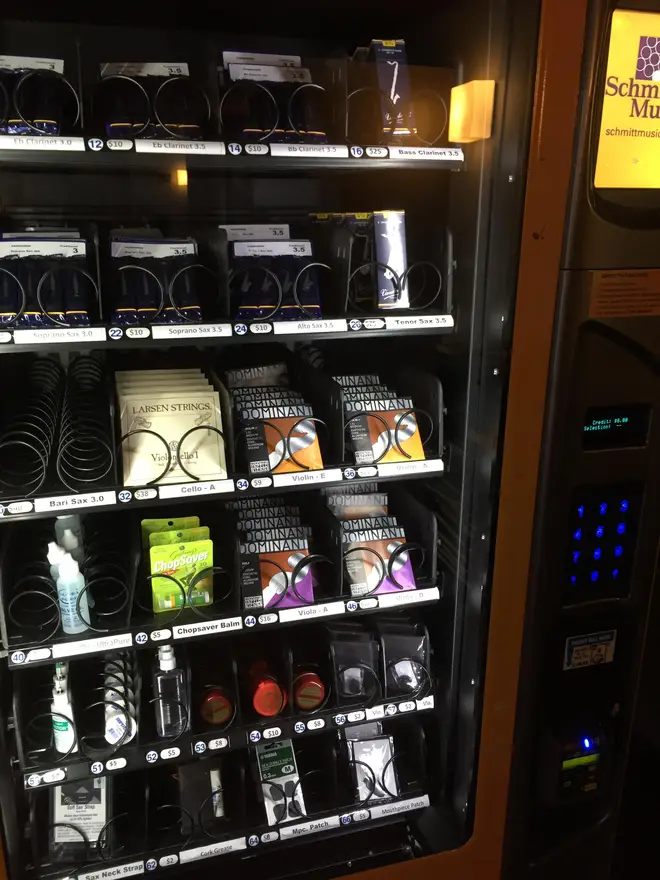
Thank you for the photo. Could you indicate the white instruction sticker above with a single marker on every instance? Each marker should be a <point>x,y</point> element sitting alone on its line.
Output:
<point>260,58</point>
<point>190,331</point>
<point>212,849</point>
<point>398,468</point>
<point>329,475</point>
<point>160,250</point>
<point>186,490</point>
<point>42,247</point>
<point>144,68</point>
<point>41,142</point>
<point>293,328</point>
<point>68,335</point>
<point>197,148</point>
<point>310,612</point>
<point>26,62</point>
<point>269,73</point>
<point>209,627</point>
<point>257,231</point>
<point>418,322</point>
<point>406,806</point>
<point>125,870</point>
<point>436,154</point>
<point>65,502</point>
<point>272,249</point>
<point>307,151</point>
<point>592,649</point>
<point>287,832</point>
<point>408,597</point>
<point>90,646</point>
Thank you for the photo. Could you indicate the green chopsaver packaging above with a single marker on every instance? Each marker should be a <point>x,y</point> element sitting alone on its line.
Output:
<point>181,549</point>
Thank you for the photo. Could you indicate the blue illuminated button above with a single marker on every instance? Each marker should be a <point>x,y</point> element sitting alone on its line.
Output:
<point>576,555</point>
<point>618,550</point>
<point>577,534</point>
<point>623,506</point>
<point>573,578</point>
<point>603,508</point>
<point>615,573</point>
<point>586,743</point>
<point>600,531</point>
<point>580,511</point>
<point>598,553</point>
<point>621,529</point>
<point>594,576</point>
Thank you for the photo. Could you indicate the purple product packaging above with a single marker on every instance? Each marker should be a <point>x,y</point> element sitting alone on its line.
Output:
<point>363,551</point>
<point>266,571</point>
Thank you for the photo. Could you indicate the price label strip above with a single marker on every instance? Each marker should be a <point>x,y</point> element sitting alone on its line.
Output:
<point>66,335</point>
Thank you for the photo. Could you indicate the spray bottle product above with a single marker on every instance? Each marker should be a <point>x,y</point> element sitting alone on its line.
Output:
<point>64,735</point>
<point>55,556</point>
<point>71,544</point>
<point>69,521</point>
<point>70,585</point>
<point>169,684</point>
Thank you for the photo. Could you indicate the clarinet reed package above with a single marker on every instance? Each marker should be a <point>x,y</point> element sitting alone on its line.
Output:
<point>181,550</point>
<point>278,427</point>
<point>273,549</point>
<point>171,425</point>
<point>382,426</point>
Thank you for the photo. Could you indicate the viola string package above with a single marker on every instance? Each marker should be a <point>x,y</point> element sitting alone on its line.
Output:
<point>171,427</point>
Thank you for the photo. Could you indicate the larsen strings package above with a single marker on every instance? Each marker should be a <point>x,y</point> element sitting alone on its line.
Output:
<point>172,423</point>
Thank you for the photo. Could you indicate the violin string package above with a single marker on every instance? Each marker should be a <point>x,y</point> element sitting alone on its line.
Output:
<point>375,556</point>
<point>38,99</point>
<point>181,549</point>
<point>153,281</point>
<point>171,427</point>
<point>271,280</point>
<point>277,426</point>
<point>149,99</point>
<point>46,280</point>
<point>271,97</point>
<point>274,547</point>
<point>381,425</point>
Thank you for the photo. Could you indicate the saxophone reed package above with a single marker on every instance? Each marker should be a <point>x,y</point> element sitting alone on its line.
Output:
<point>171,426</point>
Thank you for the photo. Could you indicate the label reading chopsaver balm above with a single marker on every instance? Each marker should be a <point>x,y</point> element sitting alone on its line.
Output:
<point>281,439</point>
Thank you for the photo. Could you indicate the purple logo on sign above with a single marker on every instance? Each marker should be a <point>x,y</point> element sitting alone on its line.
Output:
<point>648,59</point>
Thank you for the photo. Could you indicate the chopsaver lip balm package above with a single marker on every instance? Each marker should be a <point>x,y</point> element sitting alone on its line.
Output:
<point>172,424</point>
<point>268,281</point>
<point>151,99</point>
<point>277,425</point>
<point>40,100</point>
<point>152,279</point>
<point>273,573</point>
<point>381,426</point>
<point>47,280</point>
<point>267,97</point>
<point>180,549</point>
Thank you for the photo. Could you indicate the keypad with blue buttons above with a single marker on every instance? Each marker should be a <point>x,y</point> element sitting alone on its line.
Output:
<point>602,539</point>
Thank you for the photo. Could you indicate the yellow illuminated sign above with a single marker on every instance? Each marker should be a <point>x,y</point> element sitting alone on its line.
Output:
<point>629,142</point>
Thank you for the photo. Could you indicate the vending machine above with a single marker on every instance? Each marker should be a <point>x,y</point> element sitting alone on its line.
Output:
<point>300,435</point>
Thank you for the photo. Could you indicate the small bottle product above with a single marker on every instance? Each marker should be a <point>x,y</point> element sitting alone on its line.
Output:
<point>55,556</point>
<point>64,735</point>
<point>71,522</point>
<point>72,545</point>
<point>169,685</point>
<point>217,707</point>
<point>70,584</point>
<point>308,691</point>
<point>268,698</point>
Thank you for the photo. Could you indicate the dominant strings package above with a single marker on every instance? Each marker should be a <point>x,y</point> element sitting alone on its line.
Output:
<point>273,548</point>
<point>380,424</point>
<point>277,425</point>
<point>171,423</point>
